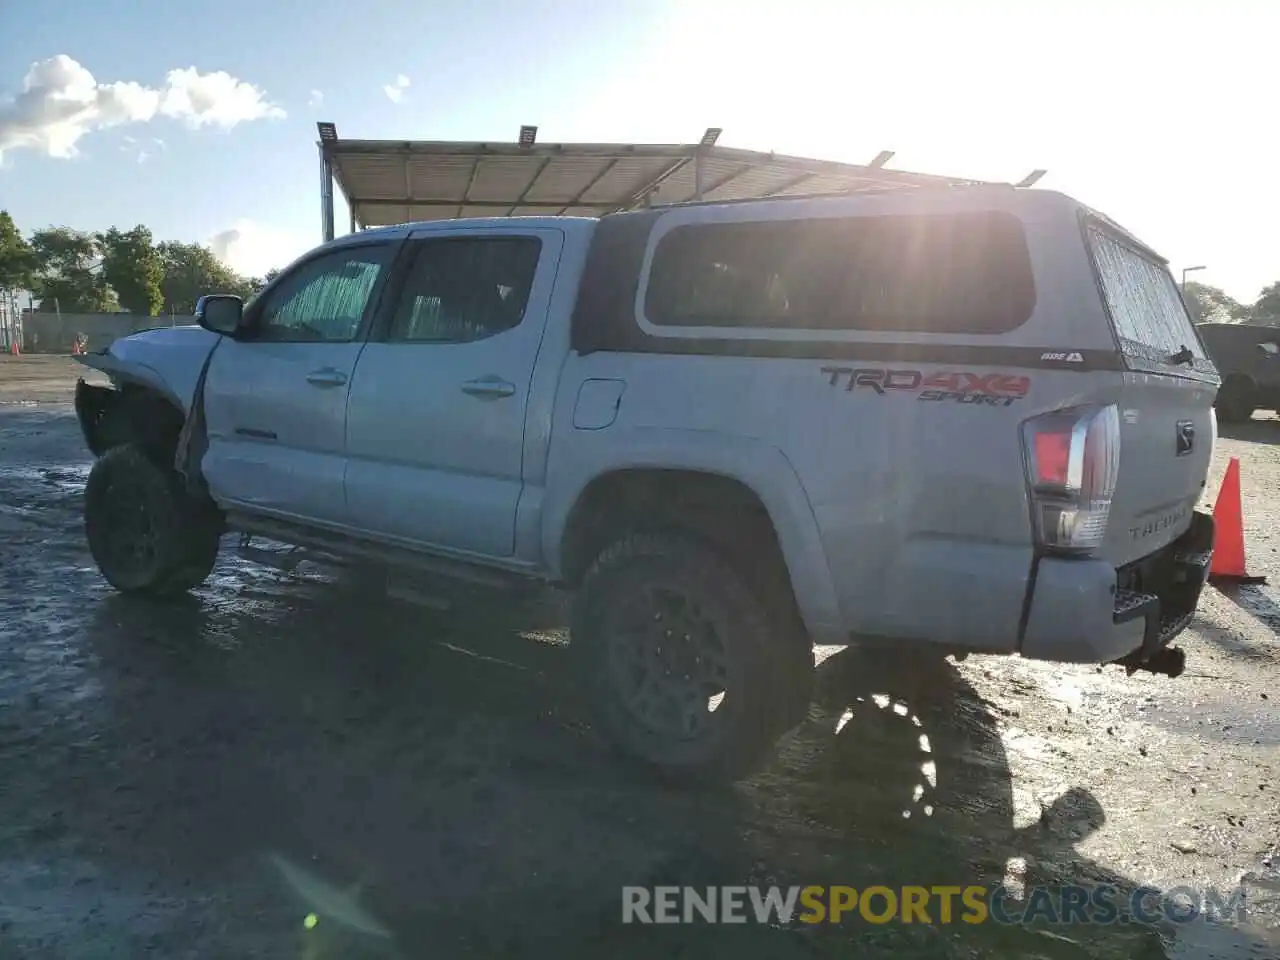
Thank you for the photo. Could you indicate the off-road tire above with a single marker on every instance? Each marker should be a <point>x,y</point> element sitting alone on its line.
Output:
<point>174,537</point>
<point>633,580</point>
<point>1235,402</point>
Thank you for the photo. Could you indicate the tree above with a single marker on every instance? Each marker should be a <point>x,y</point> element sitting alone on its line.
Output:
<point>133,268</point>
<point>17,259</point>
<point>67,272</point>
<point>191,271</point>
<point>1211,305</point>
<point>1266,309</point>
<point>256,284</point>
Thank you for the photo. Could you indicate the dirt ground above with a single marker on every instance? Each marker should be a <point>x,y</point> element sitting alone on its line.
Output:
<point>193,779</point>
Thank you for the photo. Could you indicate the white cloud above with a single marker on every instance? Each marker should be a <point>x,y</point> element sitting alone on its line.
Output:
<point>395,91</point>
<point>316,98</point>
<point>142,156</point>
<point>61,101</point>
<point>253,248</point>
<point>216,98</point>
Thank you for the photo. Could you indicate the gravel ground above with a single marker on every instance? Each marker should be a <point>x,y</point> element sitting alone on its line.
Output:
<point>190,780</point>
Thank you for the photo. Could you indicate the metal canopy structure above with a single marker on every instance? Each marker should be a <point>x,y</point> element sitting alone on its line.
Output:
<point>398,181</point>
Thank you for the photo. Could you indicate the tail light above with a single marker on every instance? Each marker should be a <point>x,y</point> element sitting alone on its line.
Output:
<point>1073,463</point>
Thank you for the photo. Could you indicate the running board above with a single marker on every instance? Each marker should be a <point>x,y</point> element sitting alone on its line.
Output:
<point>335,549</point>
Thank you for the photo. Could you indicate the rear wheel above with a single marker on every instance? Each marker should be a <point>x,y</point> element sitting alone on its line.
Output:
<point>146,534</point>
<point>683,666</point>
<point>1235,400</point>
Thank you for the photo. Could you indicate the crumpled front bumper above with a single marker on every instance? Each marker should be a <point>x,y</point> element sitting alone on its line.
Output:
<point>1086,611</point>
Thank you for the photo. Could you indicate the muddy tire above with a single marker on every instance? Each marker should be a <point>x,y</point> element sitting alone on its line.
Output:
<point>1235,402</point>
<point>145,533</point>
<point>680,660</point>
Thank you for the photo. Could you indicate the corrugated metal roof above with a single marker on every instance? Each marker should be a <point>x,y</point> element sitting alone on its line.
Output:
<point>392,181</point>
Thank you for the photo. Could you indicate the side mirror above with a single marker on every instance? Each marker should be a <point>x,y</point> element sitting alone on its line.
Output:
<point>1269,350</point>
<point>221,313</point>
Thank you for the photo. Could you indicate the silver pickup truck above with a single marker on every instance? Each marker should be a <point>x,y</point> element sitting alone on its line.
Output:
<point>963,419</point>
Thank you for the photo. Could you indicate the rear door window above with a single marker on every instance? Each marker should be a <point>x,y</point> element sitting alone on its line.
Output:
<point>1150,318</point>
<point>964,273</point>
<point>459,289</point>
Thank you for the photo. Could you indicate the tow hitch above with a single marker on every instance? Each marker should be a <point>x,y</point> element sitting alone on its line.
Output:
<point>1170,661</point>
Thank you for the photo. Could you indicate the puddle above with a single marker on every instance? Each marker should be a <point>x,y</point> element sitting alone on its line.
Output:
<point>70,477</point>
<point>59,904</point>
<point>1222,941</point>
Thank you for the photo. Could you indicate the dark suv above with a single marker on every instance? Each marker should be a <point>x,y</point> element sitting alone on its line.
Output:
<point>1248,358</point>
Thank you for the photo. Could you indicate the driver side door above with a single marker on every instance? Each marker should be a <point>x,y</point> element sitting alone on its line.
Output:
<point>275,399</point>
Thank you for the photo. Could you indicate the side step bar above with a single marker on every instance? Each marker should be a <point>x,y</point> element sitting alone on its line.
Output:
<point>336,550</point>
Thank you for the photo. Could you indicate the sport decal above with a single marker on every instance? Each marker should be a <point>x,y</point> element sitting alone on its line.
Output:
<point>982,389</point>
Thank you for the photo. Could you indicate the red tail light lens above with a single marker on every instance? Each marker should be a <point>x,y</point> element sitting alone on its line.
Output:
<point>1051,457</point>
<point>1073,465</point>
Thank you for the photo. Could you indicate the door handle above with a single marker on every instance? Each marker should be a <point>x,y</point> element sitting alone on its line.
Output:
<point>489,388</point>
<point>328,377</point>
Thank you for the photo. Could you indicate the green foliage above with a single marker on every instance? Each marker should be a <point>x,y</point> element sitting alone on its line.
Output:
<point>256,284</point>
<point>79,272</point>
<point>131,265</point>
<point>17,259</point>
<point>1267,307</point>
<point>1212,305</point>
<point>68,272</point>
<point>191,271</point>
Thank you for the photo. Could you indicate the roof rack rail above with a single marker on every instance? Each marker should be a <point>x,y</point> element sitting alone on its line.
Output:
<point>878,189</point>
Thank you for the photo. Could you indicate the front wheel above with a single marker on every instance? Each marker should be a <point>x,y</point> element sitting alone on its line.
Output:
<point>146,534</point>
<point>680,658</point>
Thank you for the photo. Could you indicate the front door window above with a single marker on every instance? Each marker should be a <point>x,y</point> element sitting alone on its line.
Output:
<point>324,300</point>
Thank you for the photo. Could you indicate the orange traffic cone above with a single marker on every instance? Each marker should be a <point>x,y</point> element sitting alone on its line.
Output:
<point>14,349</point>
<point>1228,566</point>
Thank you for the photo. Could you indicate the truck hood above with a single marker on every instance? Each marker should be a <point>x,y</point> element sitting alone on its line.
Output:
<point>166,359</point>
<point>184,335</point>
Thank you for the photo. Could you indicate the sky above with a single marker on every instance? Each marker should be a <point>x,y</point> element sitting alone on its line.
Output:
<point>198,118</point>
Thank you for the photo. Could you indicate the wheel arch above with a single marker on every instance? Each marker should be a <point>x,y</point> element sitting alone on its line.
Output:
<point>131,411</point>
<point>132,374</point>
<point>643,466</point>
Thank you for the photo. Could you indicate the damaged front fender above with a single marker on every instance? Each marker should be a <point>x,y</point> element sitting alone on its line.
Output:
<point>155,377</point>
<point>94,406</point>
<point>104,413</point>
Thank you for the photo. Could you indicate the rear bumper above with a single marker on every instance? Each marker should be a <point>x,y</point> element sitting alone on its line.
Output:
<point>1086,611</point>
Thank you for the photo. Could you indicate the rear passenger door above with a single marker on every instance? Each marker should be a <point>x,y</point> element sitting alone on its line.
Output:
<point>436,413</point>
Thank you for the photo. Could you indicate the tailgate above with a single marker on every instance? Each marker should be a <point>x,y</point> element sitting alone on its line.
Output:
<point>1167,424</point>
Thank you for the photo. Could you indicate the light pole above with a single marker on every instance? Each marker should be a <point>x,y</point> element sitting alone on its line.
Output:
<point>1185,271</point>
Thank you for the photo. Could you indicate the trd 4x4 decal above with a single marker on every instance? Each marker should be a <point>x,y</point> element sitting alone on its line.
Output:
<point>984,389</point>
